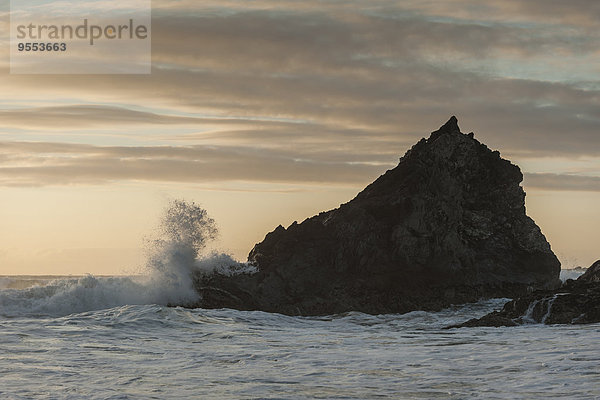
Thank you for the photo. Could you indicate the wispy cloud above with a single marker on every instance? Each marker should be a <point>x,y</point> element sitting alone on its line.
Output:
<point>343,88</point>
<point>563,182</point>
<point>40,164</point>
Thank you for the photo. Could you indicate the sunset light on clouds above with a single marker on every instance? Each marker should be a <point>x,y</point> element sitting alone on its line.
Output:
<point>267,112</point>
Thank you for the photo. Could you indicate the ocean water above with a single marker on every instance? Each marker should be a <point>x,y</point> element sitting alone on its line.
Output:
<point>115,338</point>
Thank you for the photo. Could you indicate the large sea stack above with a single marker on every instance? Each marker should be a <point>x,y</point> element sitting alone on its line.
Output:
<point>446,226</point>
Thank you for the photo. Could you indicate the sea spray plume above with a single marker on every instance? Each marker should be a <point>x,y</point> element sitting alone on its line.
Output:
<point>172,255</point>
<point>184,231</point>
<point>188,224</point>
<point>176,260</point>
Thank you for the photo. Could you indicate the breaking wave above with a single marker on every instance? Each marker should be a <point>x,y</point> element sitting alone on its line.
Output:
<point>174,255</point>
<point>573,273</point>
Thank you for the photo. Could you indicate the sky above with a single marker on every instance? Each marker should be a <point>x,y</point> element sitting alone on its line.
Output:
<point>267,112</point>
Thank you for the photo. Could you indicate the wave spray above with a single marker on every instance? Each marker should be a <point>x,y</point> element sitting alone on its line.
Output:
<point>174,254</point>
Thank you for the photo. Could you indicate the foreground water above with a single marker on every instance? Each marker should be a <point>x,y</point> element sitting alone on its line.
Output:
<point>149,351</point>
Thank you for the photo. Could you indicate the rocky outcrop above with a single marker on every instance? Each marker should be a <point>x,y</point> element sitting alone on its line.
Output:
<point>575,302</point>
<point>592,274</point>
<point>446,226</point>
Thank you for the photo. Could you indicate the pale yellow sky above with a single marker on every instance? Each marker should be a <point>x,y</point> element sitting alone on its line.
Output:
<point>267,112</point>
<point>101,230</point>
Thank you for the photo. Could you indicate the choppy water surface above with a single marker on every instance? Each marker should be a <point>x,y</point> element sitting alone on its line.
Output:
<point>153,351</point>
<point>115,338</point>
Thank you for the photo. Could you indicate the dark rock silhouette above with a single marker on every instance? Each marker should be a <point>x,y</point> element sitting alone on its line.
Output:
<point>446,226</point>
<point>592,274</point>
<point>575,302</point>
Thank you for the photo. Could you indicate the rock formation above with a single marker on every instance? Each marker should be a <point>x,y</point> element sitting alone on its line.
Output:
<point>446,226</point>
<point>575,302</point>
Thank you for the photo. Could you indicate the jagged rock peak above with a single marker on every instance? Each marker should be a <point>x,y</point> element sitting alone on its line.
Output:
<point>449,127</point>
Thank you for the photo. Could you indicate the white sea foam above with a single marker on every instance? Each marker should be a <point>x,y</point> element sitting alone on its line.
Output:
<point>152,351</point>
<point>224,264</point>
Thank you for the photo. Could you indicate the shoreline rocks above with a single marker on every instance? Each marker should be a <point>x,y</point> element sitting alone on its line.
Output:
<point>446,226</point>
<point>575,302</point>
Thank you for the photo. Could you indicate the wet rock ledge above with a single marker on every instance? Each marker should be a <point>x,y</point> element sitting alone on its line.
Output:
<point>446,226</point>
<point>575,302</point>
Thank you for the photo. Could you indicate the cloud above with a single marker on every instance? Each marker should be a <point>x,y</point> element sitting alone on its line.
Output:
<point>576,12</point>
<point>332,84</point>
<point>91,116</point>
<point>562,182</point>
<point>40,164</point>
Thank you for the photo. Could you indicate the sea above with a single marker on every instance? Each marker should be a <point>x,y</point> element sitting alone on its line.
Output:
<point>121,337</point>
<point>115,337</point>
